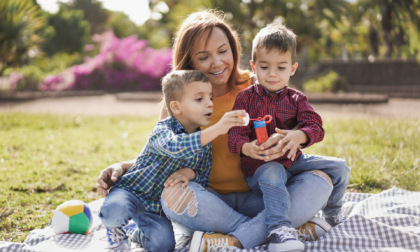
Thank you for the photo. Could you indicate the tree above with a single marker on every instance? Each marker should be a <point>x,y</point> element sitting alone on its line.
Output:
<point>70,32</point>
<point>121,24</point>
<point>20,22</point>
<point>396,21</point>
<point>93,12</point>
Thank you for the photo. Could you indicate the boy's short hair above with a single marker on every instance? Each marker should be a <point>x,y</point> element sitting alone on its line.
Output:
<point>275,36</point>
<point>174,82</point>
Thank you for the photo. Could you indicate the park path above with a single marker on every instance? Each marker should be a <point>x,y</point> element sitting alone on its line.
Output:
<point>110,104</point>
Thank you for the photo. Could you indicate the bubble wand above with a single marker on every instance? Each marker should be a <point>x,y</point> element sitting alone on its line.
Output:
<point>259,125</point>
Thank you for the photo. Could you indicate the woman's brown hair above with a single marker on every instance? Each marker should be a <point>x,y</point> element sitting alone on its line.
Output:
<point>192,29</point>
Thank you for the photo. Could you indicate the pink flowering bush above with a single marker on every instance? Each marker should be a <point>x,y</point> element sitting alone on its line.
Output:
<point>11,82</point>
<point>122,64</point>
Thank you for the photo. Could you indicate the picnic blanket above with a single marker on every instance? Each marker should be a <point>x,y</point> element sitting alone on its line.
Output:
<point>387,221</point>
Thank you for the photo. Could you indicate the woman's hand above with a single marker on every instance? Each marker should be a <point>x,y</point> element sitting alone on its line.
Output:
<point>282,141</point>
<point>108,176</point>
<point>180,176</point>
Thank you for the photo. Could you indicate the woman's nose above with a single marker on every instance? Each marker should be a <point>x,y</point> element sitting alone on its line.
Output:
<point>217,61</point>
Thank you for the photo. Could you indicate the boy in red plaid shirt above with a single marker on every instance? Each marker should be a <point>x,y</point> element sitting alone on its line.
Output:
<point>273,62</point>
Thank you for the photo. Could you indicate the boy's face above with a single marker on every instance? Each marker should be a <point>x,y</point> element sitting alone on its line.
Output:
<point>273,68</point>
<point>196,107</point>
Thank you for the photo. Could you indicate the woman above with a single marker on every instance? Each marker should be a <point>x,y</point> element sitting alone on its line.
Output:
<point>205,42</point>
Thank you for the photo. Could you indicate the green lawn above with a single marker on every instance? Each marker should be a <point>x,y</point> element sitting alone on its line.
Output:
<point>48,159</point>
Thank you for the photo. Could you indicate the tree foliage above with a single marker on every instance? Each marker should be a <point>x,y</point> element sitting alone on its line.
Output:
<point>93,12</point>
<point>69,32</point>
<point>326,28</point>
<point>121,24</point>
<point>20,22</point>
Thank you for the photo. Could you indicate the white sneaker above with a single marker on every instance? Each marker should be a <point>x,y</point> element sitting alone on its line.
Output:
<point>285,239</point>
<point>117,239</point>
<point>313,229</point>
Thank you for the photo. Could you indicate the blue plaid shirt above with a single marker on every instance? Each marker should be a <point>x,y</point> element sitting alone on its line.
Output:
<point>169,148</point>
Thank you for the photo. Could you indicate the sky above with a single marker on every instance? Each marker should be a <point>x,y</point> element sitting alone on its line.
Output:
<point>137,10</point>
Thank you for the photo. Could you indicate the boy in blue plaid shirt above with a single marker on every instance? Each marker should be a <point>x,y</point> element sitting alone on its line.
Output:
<point>174,144</point>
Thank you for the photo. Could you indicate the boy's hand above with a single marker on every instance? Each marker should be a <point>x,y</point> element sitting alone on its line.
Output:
<point>253,150</point>
<point>180,176</point>
<point>108,176</point>
<point>275,146</point>
<point>292,142</point>
<point>229,120</point>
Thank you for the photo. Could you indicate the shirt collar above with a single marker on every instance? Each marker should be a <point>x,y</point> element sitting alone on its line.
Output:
<point>261,90</point>
<point>178,128</point>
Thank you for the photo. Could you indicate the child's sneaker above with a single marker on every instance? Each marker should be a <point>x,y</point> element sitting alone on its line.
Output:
<point>313,229</point>
<point>117,238</point>
<point>335,220</point>
<point>203,242</point>
<point>285,239</point>
<point>132,232</point>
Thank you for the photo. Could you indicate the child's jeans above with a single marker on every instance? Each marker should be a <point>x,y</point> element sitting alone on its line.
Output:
<point>242,214</point>
<point>156,232</point>
<point>270,179</point>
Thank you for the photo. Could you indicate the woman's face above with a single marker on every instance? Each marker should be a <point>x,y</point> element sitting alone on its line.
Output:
<point>214,58</point>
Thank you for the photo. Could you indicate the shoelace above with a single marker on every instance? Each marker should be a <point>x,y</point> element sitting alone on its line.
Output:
<point>306,236</point>
<point>116,234</point>
<point>285,233</point>
<point>217,244</point>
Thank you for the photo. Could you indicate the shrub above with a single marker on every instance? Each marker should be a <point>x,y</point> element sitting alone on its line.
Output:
<point>330,82</point>
<point>122,64</point>
<point>10,83</point>
<point>32,77</point>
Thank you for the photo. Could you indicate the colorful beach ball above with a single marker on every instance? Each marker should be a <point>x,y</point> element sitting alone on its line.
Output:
<point>72,217</point>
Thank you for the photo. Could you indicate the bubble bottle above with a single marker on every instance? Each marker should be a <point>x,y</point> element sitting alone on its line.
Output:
<point>261,129</point>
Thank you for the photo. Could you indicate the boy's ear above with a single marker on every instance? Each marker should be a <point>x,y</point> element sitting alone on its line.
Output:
<point>175,107</point>
<point>252,65</point>
<point>294,67</point>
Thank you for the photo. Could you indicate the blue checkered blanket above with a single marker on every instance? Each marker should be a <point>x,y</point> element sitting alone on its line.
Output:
<point>387,221</point>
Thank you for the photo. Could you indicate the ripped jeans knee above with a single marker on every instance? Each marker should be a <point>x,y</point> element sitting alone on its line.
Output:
<point>178,198</point>
<point>322,175</point>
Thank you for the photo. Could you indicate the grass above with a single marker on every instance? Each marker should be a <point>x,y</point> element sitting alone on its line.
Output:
<point>48,159</point>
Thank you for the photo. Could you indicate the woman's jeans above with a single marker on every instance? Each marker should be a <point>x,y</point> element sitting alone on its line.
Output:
<point>242,214</point>
<point>156,232</point>
<point>270,180</point>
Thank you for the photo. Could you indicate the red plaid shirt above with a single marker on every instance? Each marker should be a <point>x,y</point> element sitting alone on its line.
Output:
<point>288,108</point>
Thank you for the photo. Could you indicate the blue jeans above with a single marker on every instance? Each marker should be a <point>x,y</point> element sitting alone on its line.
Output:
<point>337,170</point>
<point>242,214</point>
<point>156,232</point>
<point>270,180</point>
